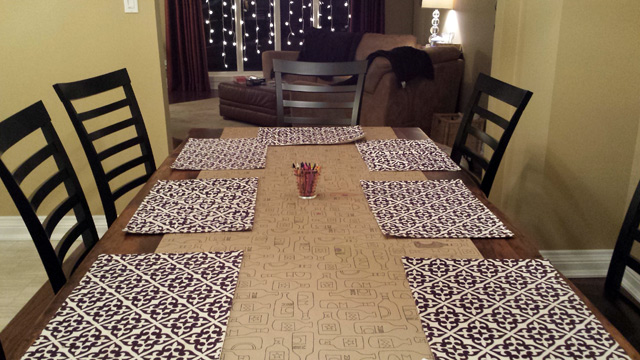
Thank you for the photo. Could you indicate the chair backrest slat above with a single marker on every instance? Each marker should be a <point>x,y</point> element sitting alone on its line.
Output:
<point>12,130</point>
<point>514,96</point>
<point>108,130</point>
<point>320,88</point>
<point>356,69</point>
<point>38,196</point>
<point>103,110</point>
<point>24,169</point>
<point>317,104</point>
<point>58,213</point>
<point>107,153</point>
<point>85,88</point>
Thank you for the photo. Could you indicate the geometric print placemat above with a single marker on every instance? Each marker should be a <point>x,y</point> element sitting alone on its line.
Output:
<point>431,209</point>
<point>145,306</point>
<point>221,154</point>
<point>404,155</point>
<point>196,205</point>
<point>504,309</point>
<point>309,135</point>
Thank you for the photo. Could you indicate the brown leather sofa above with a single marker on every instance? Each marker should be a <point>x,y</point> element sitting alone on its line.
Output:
<point>384,102</point>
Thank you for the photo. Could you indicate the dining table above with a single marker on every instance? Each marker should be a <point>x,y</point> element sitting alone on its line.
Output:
<point>318,280</point>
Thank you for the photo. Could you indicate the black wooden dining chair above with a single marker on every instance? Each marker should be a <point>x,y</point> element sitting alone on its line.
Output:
<point>350,95</point>
<point>622,259</point>
<point>38,160</point>
<point>516,97</point>
<point>82,89</point>
<point>2,357</point>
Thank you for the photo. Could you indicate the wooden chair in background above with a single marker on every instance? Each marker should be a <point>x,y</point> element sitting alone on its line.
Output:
<point>504,92</point>
<point>356,69</point>
<point>68,92</point>
<point>37,161</point>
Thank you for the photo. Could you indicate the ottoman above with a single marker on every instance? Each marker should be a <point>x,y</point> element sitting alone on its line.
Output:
<point>251,104</point>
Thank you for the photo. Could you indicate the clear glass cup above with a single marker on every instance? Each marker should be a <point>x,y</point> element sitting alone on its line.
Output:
<point>307,180</point>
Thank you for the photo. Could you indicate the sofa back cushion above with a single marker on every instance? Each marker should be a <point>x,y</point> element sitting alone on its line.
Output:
<point>373,42</point>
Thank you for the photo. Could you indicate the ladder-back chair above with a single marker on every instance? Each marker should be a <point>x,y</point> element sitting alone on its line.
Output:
<point>97,85</point>
<point>504,92</point>
<point>355,69</point>
<point>38,159</point>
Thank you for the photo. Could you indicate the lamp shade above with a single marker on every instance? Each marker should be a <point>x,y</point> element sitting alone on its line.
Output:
<point>437,4</point>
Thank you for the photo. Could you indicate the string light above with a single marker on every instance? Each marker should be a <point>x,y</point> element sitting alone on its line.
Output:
<point>228,12</point>
<point>288,23</point>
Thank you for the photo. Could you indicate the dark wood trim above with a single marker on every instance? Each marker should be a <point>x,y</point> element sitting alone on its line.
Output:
<point>29,322</point>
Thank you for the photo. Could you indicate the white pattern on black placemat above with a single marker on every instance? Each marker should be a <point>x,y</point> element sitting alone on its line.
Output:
<point>431,209</point>
<point>404,155</point>
<point>145,306</point>
<point>504,309</point>
<point>196,205</point>
<point>310,135</point>
<point>221,154</point>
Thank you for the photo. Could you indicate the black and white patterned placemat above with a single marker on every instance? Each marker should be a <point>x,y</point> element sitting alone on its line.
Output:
<point>431,209</point>
<point>221,154</point>
<point>310,135</point>
<point>405,155</point>
<point>145,306</point>
<point>196,205</point>
<point>504,309</point>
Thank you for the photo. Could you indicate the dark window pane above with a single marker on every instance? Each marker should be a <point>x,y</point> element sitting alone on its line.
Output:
<point>221,51</point>
<point>334,14</point>
<point>295,18</point>
<point>257,27</point>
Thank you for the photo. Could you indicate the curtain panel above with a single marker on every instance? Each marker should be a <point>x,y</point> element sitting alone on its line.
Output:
<point>367,16</point>
<point>186,51</point>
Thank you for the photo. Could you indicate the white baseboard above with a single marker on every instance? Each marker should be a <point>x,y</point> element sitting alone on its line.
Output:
<point>590,264</point>
<point>12,228</point>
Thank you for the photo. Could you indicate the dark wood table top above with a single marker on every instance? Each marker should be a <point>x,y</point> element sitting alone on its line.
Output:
<point>25,327</point>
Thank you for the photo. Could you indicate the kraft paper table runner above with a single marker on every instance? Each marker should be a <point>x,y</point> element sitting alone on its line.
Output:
<point>319,279</point>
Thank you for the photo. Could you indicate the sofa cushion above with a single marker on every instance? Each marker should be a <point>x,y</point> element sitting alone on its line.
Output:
<point>373,42</point>
<point>327,46</point>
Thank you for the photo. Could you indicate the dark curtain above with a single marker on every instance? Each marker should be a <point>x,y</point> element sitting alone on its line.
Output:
<point>367,16</point>
<point>186,49</point>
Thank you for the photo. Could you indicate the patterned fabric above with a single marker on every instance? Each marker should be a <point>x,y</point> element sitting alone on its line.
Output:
<point>151,306</point>
<point>197,205</point>
<point>309,135</point>
<point>504,309</point>
<point>404,155</point>
<point>431,209</point>
<point>221,154</point>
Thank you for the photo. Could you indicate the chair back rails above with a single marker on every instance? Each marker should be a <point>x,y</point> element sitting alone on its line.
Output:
<point>504,92</point>
<point>12,131</point>
<point>356,69</point>
<point>67,92</point>
<point>622,257</point>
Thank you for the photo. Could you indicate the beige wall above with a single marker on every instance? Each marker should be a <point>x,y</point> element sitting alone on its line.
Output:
<point>476,19</point>
<point>398,16</point>
<point>45,42</point>
<point>572,163</point>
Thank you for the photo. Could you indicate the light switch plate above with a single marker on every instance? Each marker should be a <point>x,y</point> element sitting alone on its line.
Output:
<point>131,6</point>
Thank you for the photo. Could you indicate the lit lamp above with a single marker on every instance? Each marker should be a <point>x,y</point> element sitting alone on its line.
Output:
<point>436,4</point>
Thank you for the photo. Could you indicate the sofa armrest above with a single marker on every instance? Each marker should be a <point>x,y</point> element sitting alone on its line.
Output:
<point>378,68</point>
<point>267,60</point>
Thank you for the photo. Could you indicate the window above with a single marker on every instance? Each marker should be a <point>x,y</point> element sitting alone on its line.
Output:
<point>238,31</point>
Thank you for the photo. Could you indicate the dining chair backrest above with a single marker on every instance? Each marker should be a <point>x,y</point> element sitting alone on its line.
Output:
<point>516,97</point>
<point>2,357</point>
<point>82,89</point>
<point>350,94</point>
<point>38,162</point>
<point>622,258</point>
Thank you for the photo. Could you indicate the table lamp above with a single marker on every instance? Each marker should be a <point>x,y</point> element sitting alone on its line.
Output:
<point>436,4</point>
